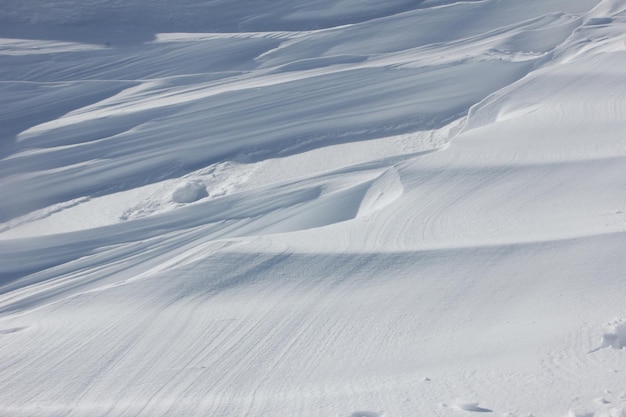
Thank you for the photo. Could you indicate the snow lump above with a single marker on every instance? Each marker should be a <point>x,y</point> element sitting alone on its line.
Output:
<point>189,192</point>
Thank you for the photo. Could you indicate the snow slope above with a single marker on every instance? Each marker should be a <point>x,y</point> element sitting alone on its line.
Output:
<point>332,208</point>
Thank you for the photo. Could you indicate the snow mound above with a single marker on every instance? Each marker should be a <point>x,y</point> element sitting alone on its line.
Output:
<point>615,336</point>
<point>384,190</point>
<point>189,192</point>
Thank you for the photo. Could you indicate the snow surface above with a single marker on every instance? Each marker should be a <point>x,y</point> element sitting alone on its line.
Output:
<point>334,208</point>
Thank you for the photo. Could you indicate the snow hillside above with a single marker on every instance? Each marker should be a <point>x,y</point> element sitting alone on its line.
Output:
<point>335,208</point>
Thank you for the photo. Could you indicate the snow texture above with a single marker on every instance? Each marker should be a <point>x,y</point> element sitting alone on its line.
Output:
<point>347,208</point>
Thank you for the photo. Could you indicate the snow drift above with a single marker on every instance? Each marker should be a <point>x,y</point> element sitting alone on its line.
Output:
<point>335,208</point>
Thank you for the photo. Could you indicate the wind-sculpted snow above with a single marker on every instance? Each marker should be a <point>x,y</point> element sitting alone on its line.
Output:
<point>335,208</point>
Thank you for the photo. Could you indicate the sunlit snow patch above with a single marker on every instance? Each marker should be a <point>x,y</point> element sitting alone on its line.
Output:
<point>17,47</point>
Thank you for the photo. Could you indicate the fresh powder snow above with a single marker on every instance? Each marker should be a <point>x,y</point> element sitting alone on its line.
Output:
<point>338,208</point>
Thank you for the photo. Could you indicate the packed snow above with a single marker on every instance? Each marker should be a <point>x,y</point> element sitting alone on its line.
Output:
<point>334,208</point>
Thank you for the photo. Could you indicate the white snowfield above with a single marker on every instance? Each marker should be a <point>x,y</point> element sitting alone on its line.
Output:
<point>334,208</point>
